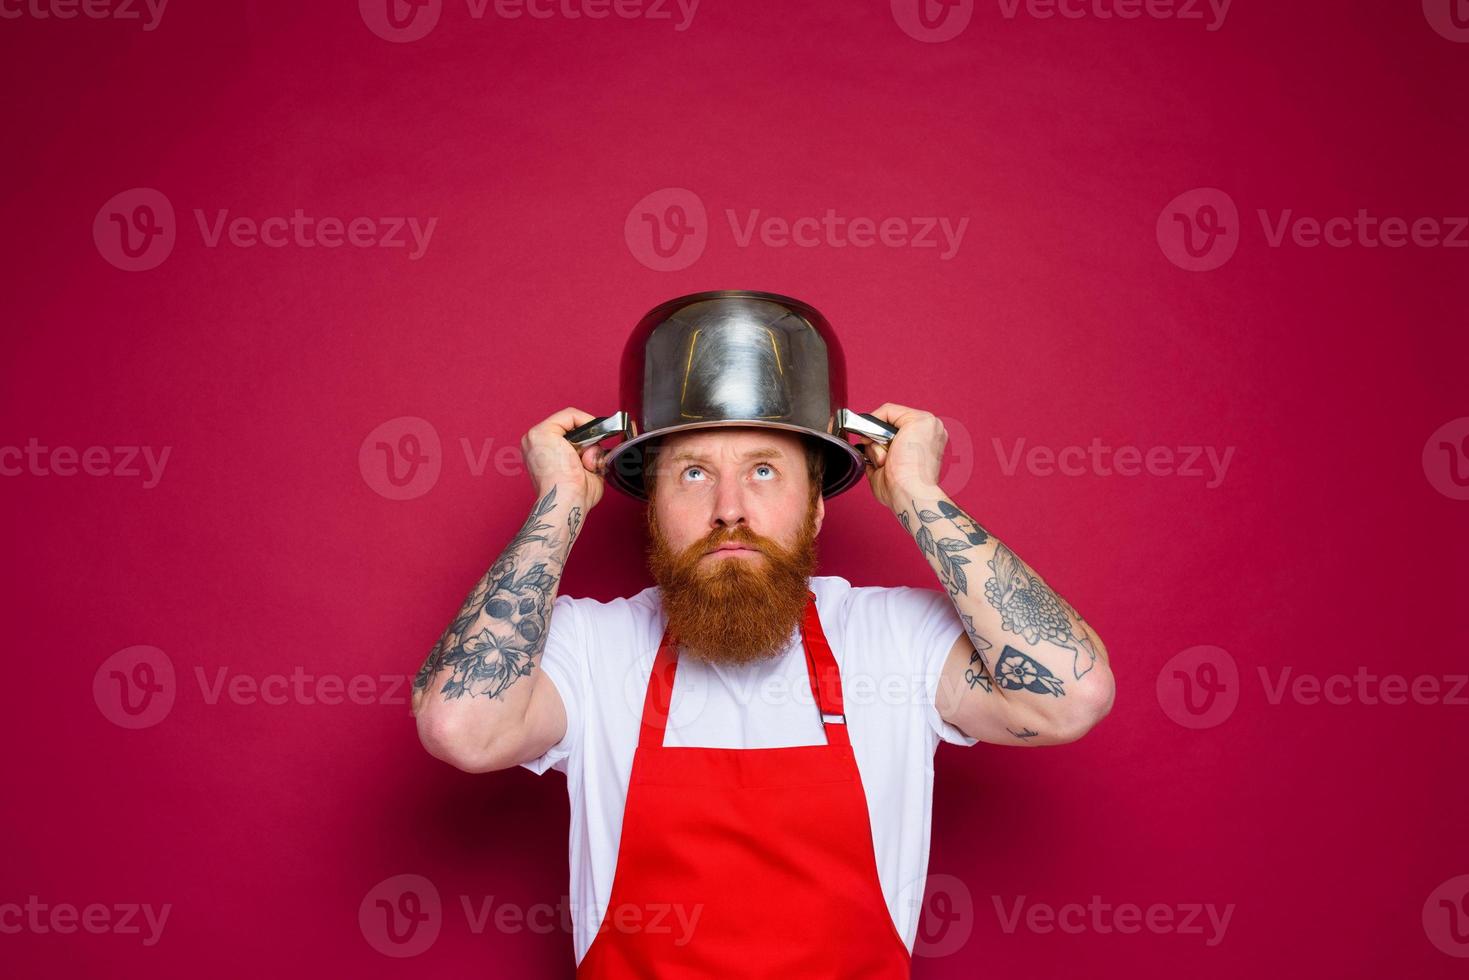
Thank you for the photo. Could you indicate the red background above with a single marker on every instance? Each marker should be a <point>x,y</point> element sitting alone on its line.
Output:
<point>264,548</point>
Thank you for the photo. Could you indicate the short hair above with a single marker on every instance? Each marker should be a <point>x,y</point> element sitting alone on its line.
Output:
<point>815,464</point>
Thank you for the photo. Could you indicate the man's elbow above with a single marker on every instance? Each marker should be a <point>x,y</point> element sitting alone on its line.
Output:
<point>449,741</point>
<point>1086,705</point>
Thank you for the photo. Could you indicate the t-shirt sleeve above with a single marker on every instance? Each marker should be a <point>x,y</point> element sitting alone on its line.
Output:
<point>564,663</point>
<point>928,625</point>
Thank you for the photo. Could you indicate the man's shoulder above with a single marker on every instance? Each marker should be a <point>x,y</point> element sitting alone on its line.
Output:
<point>882,610</point>
<point>872,608</point>
<point>648,596</point>
<point>865,596</point>
<point>599,616</point>
<point>829,586</point>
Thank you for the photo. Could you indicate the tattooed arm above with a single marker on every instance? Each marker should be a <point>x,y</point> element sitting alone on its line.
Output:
<point>479,700</point>
<point>1028,670</point>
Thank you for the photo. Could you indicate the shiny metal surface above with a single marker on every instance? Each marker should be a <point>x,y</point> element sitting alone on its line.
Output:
<point>732,358</point>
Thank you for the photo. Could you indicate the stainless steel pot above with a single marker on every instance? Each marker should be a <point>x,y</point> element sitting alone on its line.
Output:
<point>732,358</point>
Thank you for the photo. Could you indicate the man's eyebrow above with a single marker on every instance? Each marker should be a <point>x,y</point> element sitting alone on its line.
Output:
<point>764,452</point>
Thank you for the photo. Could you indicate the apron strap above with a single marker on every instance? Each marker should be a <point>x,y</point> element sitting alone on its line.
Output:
<point>660,692</point>
<point>821,670</point>
<point>826,680</point>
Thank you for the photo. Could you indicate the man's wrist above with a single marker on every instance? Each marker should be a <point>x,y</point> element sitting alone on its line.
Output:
<point>566,493</point>
<point>919,492</point>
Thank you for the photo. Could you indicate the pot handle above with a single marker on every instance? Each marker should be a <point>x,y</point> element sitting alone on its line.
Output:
<point>597,430</point>
<point>863,424</point>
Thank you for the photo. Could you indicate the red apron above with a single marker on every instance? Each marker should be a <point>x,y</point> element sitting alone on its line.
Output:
<point>770,848</point>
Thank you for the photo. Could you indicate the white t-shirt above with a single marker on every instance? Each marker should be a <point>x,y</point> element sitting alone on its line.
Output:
<point>889,644</point>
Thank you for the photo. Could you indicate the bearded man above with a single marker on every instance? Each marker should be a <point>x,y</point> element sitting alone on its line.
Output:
<point>747,746</point>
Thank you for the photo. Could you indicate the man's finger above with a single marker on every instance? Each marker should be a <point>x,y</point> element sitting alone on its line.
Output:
<point>895,415</point>
<point>570,418</point>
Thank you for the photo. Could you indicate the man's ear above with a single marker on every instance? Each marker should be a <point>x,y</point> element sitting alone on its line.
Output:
<point>820,511</point>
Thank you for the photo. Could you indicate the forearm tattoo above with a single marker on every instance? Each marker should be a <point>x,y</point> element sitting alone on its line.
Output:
<point>1017,672</point>
<point>1030,609</point>
<point>977,674</point>
<point>510,605</point>
<point>1027,606</point>
<point>947,550</point>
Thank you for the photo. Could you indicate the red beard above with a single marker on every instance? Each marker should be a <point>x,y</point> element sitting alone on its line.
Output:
<point>733,610</point>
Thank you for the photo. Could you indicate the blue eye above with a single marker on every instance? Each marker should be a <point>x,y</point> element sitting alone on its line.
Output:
<point>765,466</point>
<point>689,469</point>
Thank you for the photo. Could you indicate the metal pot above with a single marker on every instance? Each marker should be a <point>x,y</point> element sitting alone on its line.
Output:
<point>732,358</point>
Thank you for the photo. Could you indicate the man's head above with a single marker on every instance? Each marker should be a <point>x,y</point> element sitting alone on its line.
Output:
<point>733,513</point>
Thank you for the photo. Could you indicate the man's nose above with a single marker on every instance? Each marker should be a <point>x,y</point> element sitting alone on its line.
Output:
<point>729,505</point>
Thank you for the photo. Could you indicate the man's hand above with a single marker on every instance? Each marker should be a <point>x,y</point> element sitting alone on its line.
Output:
<point>554,462</point>
<point>909,464</point>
